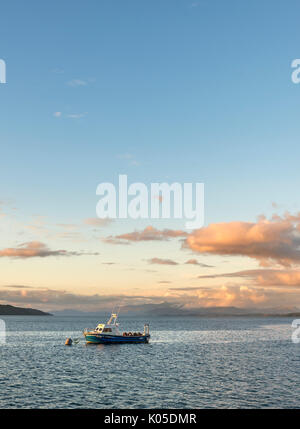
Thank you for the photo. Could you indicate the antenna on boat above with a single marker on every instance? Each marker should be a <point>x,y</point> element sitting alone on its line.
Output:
<point>119,308</point>
<point>114,315</point>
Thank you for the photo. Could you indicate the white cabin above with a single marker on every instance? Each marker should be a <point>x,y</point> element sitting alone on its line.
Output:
<point>109,328</point>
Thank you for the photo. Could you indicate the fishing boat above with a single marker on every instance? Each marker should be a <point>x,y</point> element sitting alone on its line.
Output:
<point>107,333</point>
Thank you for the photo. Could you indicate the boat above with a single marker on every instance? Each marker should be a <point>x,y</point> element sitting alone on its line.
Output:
<point>108,333</point>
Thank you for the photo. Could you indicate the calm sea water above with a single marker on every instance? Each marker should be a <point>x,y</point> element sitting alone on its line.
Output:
<point>189,363</point>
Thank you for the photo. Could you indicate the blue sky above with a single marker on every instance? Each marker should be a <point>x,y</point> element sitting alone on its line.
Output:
<point>193,91</point>
<point>171,90</point>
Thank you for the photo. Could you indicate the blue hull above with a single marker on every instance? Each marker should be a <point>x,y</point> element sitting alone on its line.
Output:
<point>112,339</point>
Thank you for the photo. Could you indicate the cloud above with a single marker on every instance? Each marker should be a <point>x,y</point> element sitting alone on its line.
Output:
<point>58,71</point>
<point>68,226</point>
<point>160,261</point>
<point>75,232</point>
<point>128,157</point>
<point>278,277</point>
<point>125,155</point>
<point>60,299</point>
<point>77,82</point>
<point>148,234</point>
<point>240,296</point>
<point>245,273</point>
<point>95,221</point>
<point>70,115</point>
<point>2,214</point>
<point>77,115</point>
<point>42,230</point>
<point>264,277</point>
<point>19,287</point>
<point>114,240</point>
<point>36,249</point>
<point>195,262</point>
<point>268,241</point>
<point>164,282</point>
<point>236,296</point>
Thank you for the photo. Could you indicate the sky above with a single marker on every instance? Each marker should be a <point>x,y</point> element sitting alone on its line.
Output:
<point>162,91</point>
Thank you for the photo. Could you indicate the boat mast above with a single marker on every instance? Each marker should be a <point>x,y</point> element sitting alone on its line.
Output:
<point>112,319</point>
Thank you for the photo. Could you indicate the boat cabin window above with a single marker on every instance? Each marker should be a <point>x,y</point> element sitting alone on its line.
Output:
<point>107,330</point>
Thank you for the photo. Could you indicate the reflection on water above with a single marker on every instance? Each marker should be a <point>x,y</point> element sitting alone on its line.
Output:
<point>188,363</point>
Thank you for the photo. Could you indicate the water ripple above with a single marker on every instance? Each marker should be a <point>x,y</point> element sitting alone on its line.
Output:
<point>190,363</point>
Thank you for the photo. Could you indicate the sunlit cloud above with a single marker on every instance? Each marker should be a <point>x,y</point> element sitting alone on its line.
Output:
<point>36,249</point>
<point>185,298</point>
<point>160,261</point>
<point>95,221</point>
<point>148,234</point>
<point>264,277</point>
<point>195,262</point>
<point>236,296</point>
<point>60,299</point>
<point>268,241</point>
<point>114,240</point>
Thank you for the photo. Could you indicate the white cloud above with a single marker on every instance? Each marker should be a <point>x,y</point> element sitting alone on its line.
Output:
<point>128,157</point>
<point>77,115</point>
<point>77,82</point>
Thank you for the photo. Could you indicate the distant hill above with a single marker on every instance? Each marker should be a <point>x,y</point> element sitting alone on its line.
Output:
<point>9,310</point>
<point>167,309</point>
<point>73,312</point>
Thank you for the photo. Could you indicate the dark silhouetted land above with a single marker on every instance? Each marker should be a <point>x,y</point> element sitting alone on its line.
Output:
<point>9,310</point>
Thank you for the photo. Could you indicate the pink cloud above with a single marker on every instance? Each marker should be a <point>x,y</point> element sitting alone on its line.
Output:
<point>268,241</point>
<point>160,261</point>
<point>264,277</point>
<point>94,221</point>
<point>195,262</point>
<point>236,296</point>
<point>35,249</point>
<point>148,234</point>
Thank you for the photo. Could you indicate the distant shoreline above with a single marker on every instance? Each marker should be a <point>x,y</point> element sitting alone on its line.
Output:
<point>10,310</point>
<point>162,312</point>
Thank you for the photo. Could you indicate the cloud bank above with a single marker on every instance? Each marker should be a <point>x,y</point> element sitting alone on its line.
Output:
<point>263,277</point>
<point>275,241</point>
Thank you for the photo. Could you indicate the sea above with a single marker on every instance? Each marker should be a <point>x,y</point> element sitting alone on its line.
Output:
<point>189,363</point>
